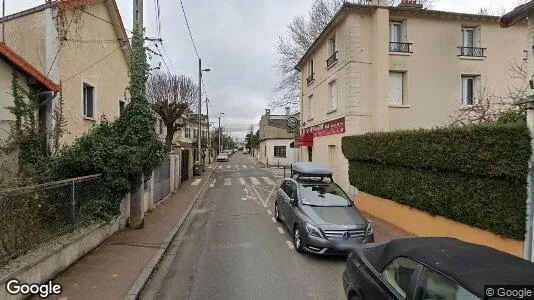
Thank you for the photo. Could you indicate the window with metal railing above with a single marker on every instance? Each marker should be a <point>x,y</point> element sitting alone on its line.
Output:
<point>331,60</point>
<point>472,51</point>
<point>400,47</point>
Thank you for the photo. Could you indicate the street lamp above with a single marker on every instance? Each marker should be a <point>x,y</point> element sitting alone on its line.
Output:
<point>199,136</point>
<point>220,130</point>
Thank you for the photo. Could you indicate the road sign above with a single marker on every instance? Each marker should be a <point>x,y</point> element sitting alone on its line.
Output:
<point>292,122</point>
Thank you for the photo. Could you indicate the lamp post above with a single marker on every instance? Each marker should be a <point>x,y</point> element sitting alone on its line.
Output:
<point>220,130</point>
<point>199,136</point>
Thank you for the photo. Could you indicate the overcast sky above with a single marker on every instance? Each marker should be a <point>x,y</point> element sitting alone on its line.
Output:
<point>237,40</point>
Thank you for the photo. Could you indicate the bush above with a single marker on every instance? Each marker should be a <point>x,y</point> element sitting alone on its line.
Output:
<point>474,175</point>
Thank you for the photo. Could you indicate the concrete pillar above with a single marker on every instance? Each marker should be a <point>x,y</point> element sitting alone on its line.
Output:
<point>136,206</point>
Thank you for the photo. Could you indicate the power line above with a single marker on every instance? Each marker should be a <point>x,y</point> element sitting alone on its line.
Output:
<point>166,54</point>
<point>59,48</point>
<point>104,20</point>
<point>189,29</point>
<point>92,65</point>
<point>162,58</point>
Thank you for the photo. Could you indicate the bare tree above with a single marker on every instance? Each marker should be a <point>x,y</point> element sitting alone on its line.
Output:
<point>490,106</point>
<point>301,33</point>
<point>170,96</point>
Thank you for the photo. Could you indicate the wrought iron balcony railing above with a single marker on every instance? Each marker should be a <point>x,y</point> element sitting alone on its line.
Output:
<point>310,78</point>
<point>472,51</point>
<point>400,47</point>
<point>331,60</point>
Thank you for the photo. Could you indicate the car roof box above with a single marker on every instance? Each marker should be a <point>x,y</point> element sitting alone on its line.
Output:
<point>311,169</point>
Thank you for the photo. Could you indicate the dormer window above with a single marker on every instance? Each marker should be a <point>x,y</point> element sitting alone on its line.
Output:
<point>311,72</point>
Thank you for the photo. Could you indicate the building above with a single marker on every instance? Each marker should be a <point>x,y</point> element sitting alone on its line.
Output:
<point>276,143</point>
<point>81,45</point>
<point>28,77</point>
<point>380,68</point>
<point>515,18</point>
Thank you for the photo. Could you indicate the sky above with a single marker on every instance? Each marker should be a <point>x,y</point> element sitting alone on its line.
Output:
<point>237,40</point>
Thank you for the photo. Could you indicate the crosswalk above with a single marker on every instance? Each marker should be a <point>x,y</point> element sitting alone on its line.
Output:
<point>242,181</point>
<point>237,167</point>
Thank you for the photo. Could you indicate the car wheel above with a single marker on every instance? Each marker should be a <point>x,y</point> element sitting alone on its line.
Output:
<point>297,239</point>
<point>277,213</point>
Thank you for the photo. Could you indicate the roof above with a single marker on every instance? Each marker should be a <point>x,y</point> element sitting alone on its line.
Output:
<point>347,7</point>
<point>471,265</point>
<point>518,14</point>
<point>20,63</point>
<point>111,6</point>
<point>311,168</point>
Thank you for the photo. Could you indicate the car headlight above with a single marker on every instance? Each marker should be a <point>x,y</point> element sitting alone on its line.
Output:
<point>313,230</point>
<point>369,229</point>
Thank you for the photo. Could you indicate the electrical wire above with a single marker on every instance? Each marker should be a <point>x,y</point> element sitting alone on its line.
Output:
<point>166,54</point>
<point>163,58</point>
<point>189,29</point>
<point>106,21</point>
<point>59,48</point>
<point>92,65</point>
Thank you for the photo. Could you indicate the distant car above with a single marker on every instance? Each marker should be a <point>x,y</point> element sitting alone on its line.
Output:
<point>222,157</point>
<point>318,213</point>
<point>430,268</point>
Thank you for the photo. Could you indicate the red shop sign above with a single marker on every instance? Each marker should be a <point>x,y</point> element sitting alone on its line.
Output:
<point>336,126</point>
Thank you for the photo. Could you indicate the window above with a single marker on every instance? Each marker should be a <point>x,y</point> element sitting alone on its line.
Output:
<point>187,132</point>
<point>122,104</point>
<point>279,151</point>
<point>333,95</point>
<point>88,101</point>
<point>332,46</point>
<point>395,32</point>
<point>468,37</point>
<point>195,133</point>
<point>396,90</point>
<point>290,189</point>
<point>399,273</point>
<point>436,286</point>
<point>310,110</point>
<point>310,68</point>
<point>469,87</point>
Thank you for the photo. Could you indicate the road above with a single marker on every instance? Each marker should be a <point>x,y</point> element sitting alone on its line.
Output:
<point>230,246</point>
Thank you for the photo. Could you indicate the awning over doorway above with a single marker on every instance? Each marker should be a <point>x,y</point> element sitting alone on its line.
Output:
<point>306,139</point>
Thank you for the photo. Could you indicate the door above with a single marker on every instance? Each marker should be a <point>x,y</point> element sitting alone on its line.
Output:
<point>291,195</point>
<point>162,180</point>
<point>185,166</point>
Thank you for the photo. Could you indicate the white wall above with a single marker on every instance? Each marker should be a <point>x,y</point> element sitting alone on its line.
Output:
<point>266,153</point>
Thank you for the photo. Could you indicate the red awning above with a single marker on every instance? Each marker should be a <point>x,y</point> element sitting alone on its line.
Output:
<point>306,140</point>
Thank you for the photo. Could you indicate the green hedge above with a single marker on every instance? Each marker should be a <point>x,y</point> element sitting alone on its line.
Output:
<point>488,150</point>
<point>488,203</point>
<point>475,175</point>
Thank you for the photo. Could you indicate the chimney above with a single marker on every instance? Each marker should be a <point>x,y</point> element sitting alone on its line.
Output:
<point>267,113</point>
<point>288,111</point>
<point>411,4</point>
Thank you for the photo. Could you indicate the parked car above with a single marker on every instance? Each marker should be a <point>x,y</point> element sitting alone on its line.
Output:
<point>222,157</point>
<point>430,268</point>
<point>318,213</point>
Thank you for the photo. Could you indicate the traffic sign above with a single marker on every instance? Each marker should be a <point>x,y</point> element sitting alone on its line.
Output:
<point>292,122</point>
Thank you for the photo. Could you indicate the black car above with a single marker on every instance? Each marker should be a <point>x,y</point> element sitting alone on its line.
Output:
<point>318,213</point>
<point>430,268</point>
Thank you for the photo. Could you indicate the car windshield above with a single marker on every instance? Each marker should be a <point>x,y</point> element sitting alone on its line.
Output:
<point>316,194</point>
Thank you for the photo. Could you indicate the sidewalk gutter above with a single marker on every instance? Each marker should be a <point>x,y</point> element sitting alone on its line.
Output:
<point>138,286</point>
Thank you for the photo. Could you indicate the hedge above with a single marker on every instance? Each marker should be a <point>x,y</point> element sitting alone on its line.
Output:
<point>475,175</point>
<point>482,150</point>
<point>487,203</point>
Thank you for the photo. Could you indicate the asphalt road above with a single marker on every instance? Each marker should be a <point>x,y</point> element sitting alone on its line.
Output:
<point>230,247</point>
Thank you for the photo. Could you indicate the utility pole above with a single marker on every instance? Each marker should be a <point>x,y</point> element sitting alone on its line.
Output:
<point>208,132</point>
<point>138,14</point>
<point>199,107</point>
<point>220,130</point>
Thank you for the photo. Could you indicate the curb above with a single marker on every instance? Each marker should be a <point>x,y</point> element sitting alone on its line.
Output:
<point>139,284</point>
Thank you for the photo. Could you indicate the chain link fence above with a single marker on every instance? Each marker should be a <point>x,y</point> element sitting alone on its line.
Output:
<point>31,216</point>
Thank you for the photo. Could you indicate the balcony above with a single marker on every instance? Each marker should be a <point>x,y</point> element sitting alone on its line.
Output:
<point>310,79</point>
<point>472,51</point>
<point>331,60</point>
<point>399,47</point>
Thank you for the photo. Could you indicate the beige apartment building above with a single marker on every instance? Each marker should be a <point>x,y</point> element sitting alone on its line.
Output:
<point>81,45</point>
<point>380,68</point>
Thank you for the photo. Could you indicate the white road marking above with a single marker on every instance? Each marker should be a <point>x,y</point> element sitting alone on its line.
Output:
<point>210,167</point>
<point>268,180</point>
<point>213,183</point>
<point>269,212</point>
<point>273,219</point>
<point>290,245</point>
<point>196,182</point>
<point>245,166</point>
<point>244,199</point>
<point>237,167</point>
<point>254,181</point>
<point>242,181</point>
<point>220,167</point>
<point>278,176</point>
<point>227,181</point>
<point>228,166</point>
<point>280,229</point>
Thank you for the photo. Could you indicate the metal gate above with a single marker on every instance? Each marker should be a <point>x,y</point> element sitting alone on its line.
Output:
<point>162,180</point>
<point>185,165</point>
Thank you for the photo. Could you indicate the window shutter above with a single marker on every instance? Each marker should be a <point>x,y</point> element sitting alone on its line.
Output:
<point>395,88</point>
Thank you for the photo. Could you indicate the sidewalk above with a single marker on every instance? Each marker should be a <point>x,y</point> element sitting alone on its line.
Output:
<point>109,271</point>
<point>384,231</point>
